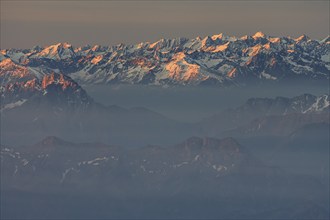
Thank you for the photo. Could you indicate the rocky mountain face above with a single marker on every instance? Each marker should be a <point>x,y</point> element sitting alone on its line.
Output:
<point>213,60</point>
<point>40,91</point>
<point>132,127</point>
<point>205,176</point>
<point>277,125</point>
<point>67,161</point>
<point>56,105</point>
<point>19,85</point>
<point>35,105</point>
<point>267,116</point>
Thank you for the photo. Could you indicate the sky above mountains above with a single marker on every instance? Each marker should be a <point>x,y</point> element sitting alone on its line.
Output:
<point>27,23</point>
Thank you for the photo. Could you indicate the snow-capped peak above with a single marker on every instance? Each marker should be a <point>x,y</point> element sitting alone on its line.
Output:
<point>325,40</point>
<point>217,36</point>
<point>56,47</point>
<point>6,62</point>
<point>211,60</point>
<point>155,44</point>
<point>245,37</point>
<point>96,48</point>
<point>302,38</point>
<point>207,41</point>
<point>57,51</point>
<point>259,34</point>
<point>64,45</point>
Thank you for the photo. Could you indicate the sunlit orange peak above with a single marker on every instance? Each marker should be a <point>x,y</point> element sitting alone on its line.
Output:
<point>65,45</point>
<point>6,62</point>
<point>95,47</point>
<point>96,59</point>
<point>207,40</point>
<point>232,72</point>
<point>275,40</point>
<point>245,37</point>
<point>302,37</point>
<point>217,36</point>
<point>156,43</point>
<point>259,34</point>
<point>3,52</point>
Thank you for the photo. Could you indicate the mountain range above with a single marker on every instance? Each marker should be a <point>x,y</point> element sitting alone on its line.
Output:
<point>268,116</point>
<point>214,60</point>
<point>57,105</point>
<point>205,177</point>
<point>66,155</point>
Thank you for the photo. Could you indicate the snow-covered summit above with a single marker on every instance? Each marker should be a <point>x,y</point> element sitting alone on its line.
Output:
<point>217,60</point>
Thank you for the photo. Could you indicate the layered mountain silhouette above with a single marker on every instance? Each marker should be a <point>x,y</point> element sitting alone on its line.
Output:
<point>269,116</point>
<point>266,158</point>
<point>56,105</point>
<point>203,176</point>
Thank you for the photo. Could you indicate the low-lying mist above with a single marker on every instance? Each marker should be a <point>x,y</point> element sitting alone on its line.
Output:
<point>191,104</point>
<point>185,152</point>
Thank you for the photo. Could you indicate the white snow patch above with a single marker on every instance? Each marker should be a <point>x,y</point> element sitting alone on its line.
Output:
<point>197,157</point>
<point>65,173</point>
<point>143,168</point>
<point>16,170</point>
<point>219,168</point>
<point>267,76</point>
<point>325,58</point>
<point>94,161</point>
<point>321,103</point>
<point>14,104</point>
<point>179,165</point>
<point>25,162</point>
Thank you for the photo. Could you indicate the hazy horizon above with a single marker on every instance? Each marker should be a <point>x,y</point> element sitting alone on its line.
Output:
<point>130,22</point>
